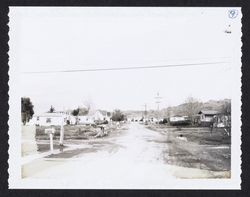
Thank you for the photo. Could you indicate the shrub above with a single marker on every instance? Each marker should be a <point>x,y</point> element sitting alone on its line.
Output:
<point>165,121</point>
<point>105,122</point>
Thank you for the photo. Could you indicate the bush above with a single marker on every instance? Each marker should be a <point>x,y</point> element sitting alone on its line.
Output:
<point>118,115</point>
<point>165,121</point>
<point>93,125</point>
<point>105,122</point>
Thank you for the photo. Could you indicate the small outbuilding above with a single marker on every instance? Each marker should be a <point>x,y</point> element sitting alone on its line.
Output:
<point>207,117</point>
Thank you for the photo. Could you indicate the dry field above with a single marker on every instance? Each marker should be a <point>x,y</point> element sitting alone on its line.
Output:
<point>196,147</point>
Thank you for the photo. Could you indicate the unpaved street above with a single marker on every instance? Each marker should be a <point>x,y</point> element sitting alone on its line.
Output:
<point>133,156</point>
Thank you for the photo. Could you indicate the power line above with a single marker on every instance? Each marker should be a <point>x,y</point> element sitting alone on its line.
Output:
<point>125,68</point>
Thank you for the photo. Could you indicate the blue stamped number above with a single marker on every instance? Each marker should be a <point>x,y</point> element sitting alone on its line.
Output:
<point>233,13</point>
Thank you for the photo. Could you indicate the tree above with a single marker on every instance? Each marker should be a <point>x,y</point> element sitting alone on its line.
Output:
<point>26,109</point>
<point>226,108</point>
<point>85,108</point>
<point>83,111</point>
<point>52,109</point>
<point>167,112</point>
<point>118,115</point>
<point>191,107</point>
<point>88,104</point>
<point>75,112</point>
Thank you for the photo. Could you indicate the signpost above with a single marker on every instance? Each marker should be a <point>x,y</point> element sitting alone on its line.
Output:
<point>50,131</point>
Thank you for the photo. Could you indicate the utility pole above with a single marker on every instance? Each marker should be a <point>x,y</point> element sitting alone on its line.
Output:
<point>145,111</point>
<point>158,101</point>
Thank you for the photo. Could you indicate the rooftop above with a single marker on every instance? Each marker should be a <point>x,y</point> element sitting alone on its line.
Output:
<point>208,112</point>
<point>47,114</point>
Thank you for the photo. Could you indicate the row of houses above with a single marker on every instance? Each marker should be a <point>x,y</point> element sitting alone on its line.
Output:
<point>204,118</point>
<point>59,118</point>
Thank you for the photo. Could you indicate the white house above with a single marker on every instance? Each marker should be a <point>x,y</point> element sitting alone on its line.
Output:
<point>176,118</point>
<point>179,120</point>
<point>92,117</point>
<point>85,120</point>
<point>49,119</point>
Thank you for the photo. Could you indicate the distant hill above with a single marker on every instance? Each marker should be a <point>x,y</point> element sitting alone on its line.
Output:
<point>216,105</point>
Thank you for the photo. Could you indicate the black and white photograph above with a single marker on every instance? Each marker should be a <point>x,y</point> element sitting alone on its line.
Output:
<point>125,98</point>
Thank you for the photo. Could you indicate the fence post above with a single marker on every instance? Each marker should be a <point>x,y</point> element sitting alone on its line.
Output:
<point>50,131</point>
<point>61,134</point>
<point>51,143</point>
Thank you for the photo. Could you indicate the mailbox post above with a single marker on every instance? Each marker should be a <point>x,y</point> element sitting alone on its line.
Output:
<point>50,131</point>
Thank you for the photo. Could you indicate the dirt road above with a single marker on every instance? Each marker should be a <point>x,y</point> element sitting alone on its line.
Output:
<point>130,158</point>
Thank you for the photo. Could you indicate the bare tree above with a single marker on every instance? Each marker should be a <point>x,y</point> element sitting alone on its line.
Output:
<point>167,112</point>
<point>226,108</point>
<point>82,111</point>
<point>191,107</point>
<point>89,104</point>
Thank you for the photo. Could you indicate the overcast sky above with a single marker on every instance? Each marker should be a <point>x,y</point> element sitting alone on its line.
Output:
<point>56,39</point>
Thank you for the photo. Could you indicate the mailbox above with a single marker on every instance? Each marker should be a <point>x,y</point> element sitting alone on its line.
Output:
<point>50,131</point>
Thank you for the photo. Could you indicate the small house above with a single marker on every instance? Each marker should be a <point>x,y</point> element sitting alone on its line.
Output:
<point>207,117</point>
<point>93,117</point>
